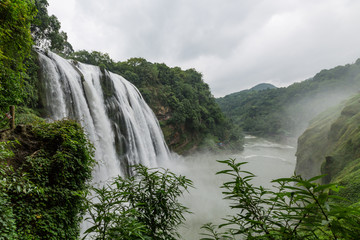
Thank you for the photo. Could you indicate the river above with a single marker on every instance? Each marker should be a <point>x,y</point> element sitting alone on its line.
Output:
<point>267,160</point>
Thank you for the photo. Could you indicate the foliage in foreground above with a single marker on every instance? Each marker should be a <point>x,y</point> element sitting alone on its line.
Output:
<point>144,206</point>
<point>297,209</point>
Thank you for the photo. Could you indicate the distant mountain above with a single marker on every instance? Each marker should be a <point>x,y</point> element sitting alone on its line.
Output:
<point>262,86</point>
<point>286,111</point>
<point>234,97</point>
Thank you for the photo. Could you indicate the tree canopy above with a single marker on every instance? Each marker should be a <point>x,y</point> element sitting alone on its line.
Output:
<point>287,110</point>
<point>24,23</point>
<point>46,32</point>
<point>15,45</point>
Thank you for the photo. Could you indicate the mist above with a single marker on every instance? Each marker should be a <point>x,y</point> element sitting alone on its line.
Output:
<point>265,159</point>
<point>305,109</point>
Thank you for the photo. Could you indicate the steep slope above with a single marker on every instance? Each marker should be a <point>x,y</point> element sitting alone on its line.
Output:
<point>314,145</point>
<point>331,146</point>
<point>287,111</point>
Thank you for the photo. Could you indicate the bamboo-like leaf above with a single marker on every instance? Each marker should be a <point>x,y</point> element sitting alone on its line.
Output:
<point>324,187</point>
<point>316,178</point>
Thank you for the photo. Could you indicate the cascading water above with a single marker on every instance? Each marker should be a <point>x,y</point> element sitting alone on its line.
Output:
<point>125,131</point>
<point>119,123</point>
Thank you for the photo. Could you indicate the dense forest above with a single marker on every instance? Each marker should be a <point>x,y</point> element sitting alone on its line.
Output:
<point>286,111</point>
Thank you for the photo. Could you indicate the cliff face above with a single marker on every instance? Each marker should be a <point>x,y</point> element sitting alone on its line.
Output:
<point>314,145</point>
<point>331,146</point>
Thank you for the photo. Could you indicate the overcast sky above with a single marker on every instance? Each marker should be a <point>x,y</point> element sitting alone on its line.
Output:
<point>235,44</point>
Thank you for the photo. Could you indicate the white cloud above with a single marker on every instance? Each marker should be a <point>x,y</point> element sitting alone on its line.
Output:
<point>235,44</point>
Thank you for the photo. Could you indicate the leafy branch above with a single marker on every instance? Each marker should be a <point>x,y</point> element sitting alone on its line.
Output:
<point>144,206</point>
<point>296,209</point>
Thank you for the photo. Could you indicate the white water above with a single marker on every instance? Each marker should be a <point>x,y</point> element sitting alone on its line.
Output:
<point>119,123</point>
<point>265,159</point>
<point>125,131</point>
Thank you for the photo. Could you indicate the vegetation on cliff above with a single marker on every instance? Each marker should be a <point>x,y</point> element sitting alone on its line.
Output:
<point>46,31</point>
<point>331,146</point>
<point>286,111</point>
<point>44,171</point>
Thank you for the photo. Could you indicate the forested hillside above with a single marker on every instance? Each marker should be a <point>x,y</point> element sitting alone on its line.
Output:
<point>181,100</point>
<point>287,111</point>
<point>330,146</point>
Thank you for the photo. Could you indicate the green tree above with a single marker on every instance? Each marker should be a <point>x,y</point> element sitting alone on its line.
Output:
<point>109,214</point>
<point>15,45</point>
<point>46,32</point>
<point>94,58</point>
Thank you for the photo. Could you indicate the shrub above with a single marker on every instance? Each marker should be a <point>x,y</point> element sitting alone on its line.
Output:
<point>298,209</point>
<point>144,206</point>
<point>44,181</point>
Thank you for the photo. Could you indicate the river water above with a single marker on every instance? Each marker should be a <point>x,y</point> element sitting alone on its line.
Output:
<point>267,160</point>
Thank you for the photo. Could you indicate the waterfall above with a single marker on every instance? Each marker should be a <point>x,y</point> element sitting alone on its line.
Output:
<point>117,120</point>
